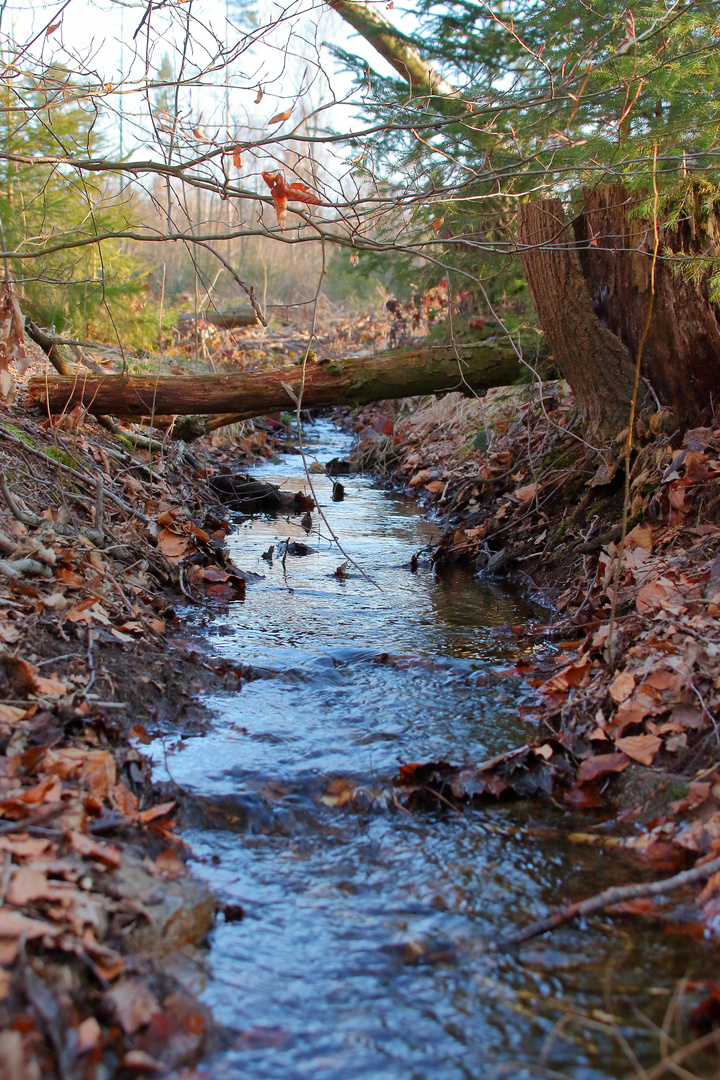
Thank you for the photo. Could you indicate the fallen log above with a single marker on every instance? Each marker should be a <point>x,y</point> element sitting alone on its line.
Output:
<point>241,315</point>
<point>352,381</point>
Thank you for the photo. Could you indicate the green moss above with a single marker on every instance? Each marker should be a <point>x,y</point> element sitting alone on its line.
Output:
<point>62,456</point>
<point>16,431</point>
<point>677,792</point>
<point>559,532</point>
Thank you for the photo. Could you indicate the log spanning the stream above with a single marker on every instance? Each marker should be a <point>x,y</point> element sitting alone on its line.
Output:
<point>470,369</point>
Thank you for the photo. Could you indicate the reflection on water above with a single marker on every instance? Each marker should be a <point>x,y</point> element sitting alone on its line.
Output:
<point>363,951</point>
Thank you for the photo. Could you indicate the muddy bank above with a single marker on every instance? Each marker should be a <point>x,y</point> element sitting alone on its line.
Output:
<point>627,715</point>
<point>103,543</point>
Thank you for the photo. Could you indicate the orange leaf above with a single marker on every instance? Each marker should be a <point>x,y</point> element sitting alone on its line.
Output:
<point>173,546</point>
<point>237,157</point>
<point>106,854</point>
<point>622,686</point>
<point>155,811</point>
<point>51,29</point>
<point>642,748</point>
<point>278,118</point>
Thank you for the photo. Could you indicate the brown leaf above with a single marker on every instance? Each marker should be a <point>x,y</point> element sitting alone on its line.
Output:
<point>134,1003</point>
<point>10,713</point>
<point>278,118</point>
<point>15,925</point>
<point>155,812</point>
<point>170,863</point>
<point>106,854</point>
<point>525,494</point>
<point>141,733</point>
<point>622,686</point>
<point>69,578</point>
<point>601,765</point>
<point>237,157</point>
<point>642,748</point>
<point>27,884</point>
<point>173,545</point>
<point>259,97</point>
<point>89,1034</point>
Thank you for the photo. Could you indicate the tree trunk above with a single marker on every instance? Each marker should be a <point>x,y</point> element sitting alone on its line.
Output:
<point>593,360</point>
<point>681,356</point>
<point>354,381</point>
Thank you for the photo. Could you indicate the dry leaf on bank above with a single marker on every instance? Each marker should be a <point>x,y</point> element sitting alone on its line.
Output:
<point>642,748</point>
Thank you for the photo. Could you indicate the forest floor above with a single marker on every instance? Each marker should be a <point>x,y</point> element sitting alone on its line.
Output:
<point>104,542</point>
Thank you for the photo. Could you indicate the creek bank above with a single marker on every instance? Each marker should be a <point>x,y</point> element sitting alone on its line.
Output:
<point>102,544</point>
<point>627,715</point>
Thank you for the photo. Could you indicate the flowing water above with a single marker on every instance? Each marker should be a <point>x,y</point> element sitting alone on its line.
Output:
<point>363,948</point>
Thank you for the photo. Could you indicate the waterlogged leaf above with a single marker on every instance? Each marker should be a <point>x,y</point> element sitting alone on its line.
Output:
<point>641,905</point>
<point>642,748</point>
<point>280,117</point>
<point>141,733</point>
<point>339,792</point>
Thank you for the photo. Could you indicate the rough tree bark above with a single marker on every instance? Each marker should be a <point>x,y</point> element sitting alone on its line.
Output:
<point>681,356</point>
<point>596,363</point>
<point>356,381</point>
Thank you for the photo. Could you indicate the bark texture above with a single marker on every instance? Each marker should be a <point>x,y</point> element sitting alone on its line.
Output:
<point>681,356</point>
<point>595,362</point>
<point>354,381</point>
<point>376,28</point>
<point>241,315</point>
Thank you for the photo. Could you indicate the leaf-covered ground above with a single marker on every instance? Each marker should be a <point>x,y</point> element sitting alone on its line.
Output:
<point>627,717</point>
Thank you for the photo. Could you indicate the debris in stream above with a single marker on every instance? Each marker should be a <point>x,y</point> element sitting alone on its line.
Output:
<point>338,492</point>
<point>541,769</point>
<point>250,496</point>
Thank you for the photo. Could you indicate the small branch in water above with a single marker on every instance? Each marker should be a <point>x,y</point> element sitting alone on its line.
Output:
<point>615,895</point>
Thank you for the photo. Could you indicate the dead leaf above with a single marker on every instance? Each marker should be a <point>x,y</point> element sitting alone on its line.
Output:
<point>89,1034</point>
<point>174,546</point>
<point>601,765</point>
<point>155,812</point>
<point>278,118</point>
<point>525,494</point>
<point>106,854</point>
<point>15,925</point>
<point>10,713</point>
<point>170,863</point>
<point>622,686</point>
<point>642,748</point>
<point>27,884</point>
<point>134,1003</point>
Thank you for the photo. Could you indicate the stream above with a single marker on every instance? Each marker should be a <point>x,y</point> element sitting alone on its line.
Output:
<point>362,950</point>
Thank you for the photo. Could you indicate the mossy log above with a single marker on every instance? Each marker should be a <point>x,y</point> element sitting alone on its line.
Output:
<point>473,368</point>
